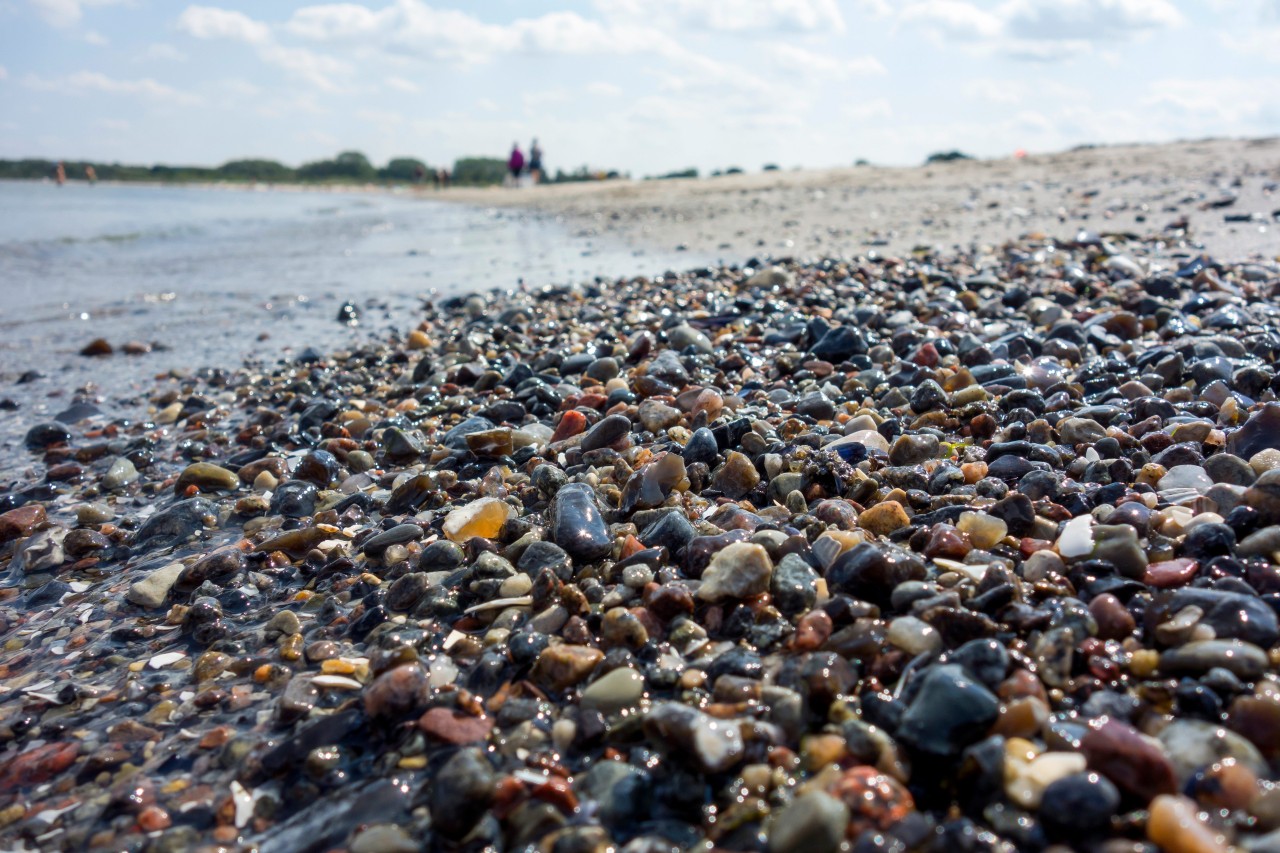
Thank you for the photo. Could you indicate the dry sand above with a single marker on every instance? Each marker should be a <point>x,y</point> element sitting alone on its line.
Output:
<point>1133,189</point>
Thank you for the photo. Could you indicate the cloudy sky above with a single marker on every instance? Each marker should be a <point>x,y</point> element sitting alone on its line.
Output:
<point>640,85</point>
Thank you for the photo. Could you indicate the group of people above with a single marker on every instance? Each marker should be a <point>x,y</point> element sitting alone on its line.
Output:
<point>517,166</point>
<point>60,173</point>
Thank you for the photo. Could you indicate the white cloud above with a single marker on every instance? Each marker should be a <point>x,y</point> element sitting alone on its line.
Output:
<point>1041,30</point>
<point>113,124</point>
<point>402,85</point>
<point>602,89</point>
<point>210,22</point>
<point>4,73</point>
<point>1060,20</point>
<point>94,38</point>
<point>87,82</point>
<point>1226,105</point>
<point>789,57</point>
<point>1259,42</point>
<point>878,108</point>
<point>954,18</point>
<point>736,16</point>
<point>163,52</point>
<point>66,13</point>
<point>413,28</point>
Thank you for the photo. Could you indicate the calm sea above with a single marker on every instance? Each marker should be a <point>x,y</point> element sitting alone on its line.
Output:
<point>218,276</point>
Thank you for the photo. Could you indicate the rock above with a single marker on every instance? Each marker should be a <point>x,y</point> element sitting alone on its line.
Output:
<point>712,745</point>
<point>97,347</point>
<point>121,473</point>
<point>577,524</point>
<point>649,486</point>
<point>456,438</point>
<point>740,570</point>
<point>1243,659</point>
<point>174,524</point>
<point>871,572</point>
<point>914,449</point>
<point>793,586</point>
<point>949,711</point>
<point>152,590</point>
<point>491,442</point>
<point>1134,762</point>
<point>1079,806</point>
<point>294,499</point>
<point>1185,477</point>
<point>206,477</point>
<point>684,336</point>
<point>42,436</point>
<point>608,432</point>
<point>813,822</point>
<point>1080,431</point>
<point>736,477</point>
<point>1118,544</point>
<point>1260,432</point>
<point>613,692</point>
<point>455,727</point>
<point>701,447</point>
<point>484,518</point>
<point>1264,496</point>
<point>20,522</point>
<point>376,545</point>
<point>884,518</point>
<point>1193,745</point>
<point>1174,825</point>
<point>656,416</point>
<point>461,793</point>
<point>397,693</point>
<point>562,666</point>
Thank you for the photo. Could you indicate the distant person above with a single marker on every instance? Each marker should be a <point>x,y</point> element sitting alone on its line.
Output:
<point>60,173</point>
<point>91,174</point>
<point>443,176</point>
<point>535,162</point>
<point>419,173</point>
<point>515,163</point>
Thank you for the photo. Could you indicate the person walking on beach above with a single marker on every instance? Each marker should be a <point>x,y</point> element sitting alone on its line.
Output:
<point>515,163</point>
<point>60,174</point>
<point>91,174</point>
<point>535,162</point>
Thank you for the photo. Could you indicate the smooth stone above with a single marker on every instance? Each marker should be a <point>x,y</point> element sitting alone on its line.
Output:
<point>121,473</point>
<point>1174,825</point>
<point>377,544</point>
<point>1076,539</point>
<point>22,521</point>
<point>1261,543</point>
<point>461,793</point>
<point>736,477</point>
<point>613,692</point>
<point>606,433</point>
<point>1185,477</point>
<point>577,524</point>
<point>793,587</point>
<point>1080,431</point>
<point>739,570</point>
<point>950,710</point>
<point>207,477</point>
<point>814,823</point>
<point>174,524</point>
<point>871,571</point>
<point>1233,615</point>
<point>648,487</point>
<point>455,438</point>
<point>914,449</point>
<point>152,590</point>
<point>562,666</point>
<point>656,416</point>
<point>684,336</point>
<point>1245,660</point>
<point>712,745</point>
<point>983,530</point>
<point>484,518</point>
<point>1079,805</point>
<point>1136,763</point>
<point>1264,496</point>
<point>1193,745</point>
<point>1260,432</point>
<point>1230,469</point>
<point>884,518</point>
<point>1119,545</point>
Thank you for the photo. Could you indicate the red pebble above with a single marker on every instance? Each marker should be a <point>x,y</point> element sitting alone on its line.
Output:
<point>1171,573</point>
<point>571,423</point>
<point>455,727</point>
<point>37,765</point>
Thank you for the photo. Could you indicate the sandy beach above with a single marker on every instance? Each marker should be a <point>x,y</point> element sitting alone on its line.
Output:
<point>1136,189</point>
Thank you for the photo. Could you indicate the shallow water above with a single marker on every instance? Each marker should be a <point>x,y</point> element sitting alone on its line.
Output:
<point>218,276</point>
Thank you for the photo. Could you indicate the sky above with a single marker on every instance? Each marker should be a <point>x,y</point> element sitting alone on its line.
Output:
<point>643,86</point>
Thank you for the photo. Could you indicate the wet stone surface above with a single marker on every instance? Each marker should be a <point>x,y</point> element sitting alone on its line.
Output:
<point>978,552</point>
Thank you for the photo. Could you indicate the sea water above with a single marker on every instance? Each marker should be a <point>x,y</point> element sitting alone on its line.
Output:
<point>213,277</point>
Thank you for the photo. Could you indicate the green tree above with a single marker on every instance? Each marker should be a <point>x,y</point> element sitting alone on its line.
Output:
<point>403,169</point>
<point>479,171</point>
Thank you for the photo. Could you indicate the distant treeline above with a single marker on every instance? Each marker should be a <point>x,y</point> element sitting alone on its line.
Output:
<point>348,167</point>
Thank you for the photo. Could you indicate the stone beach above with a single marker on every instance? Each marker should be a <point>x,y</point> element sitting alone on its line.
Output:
<point>974,549</point>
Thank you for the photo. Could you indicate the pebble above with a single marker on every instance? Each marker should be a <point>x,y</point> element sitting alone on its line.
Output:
<point>483,518</point>
<point>739,570</point>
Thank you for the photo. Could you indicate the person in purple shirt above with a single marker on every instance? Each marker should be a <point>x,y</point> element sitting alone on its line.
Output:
<point>515,163</point>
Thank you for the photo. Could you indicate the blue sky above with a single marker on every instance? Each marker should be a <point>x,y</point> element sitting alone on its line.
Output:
<point>640,85</point>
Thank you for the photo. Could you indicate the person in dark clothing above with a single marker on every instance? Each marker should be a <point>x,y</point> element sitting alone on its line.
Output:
<point>515,163</point>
